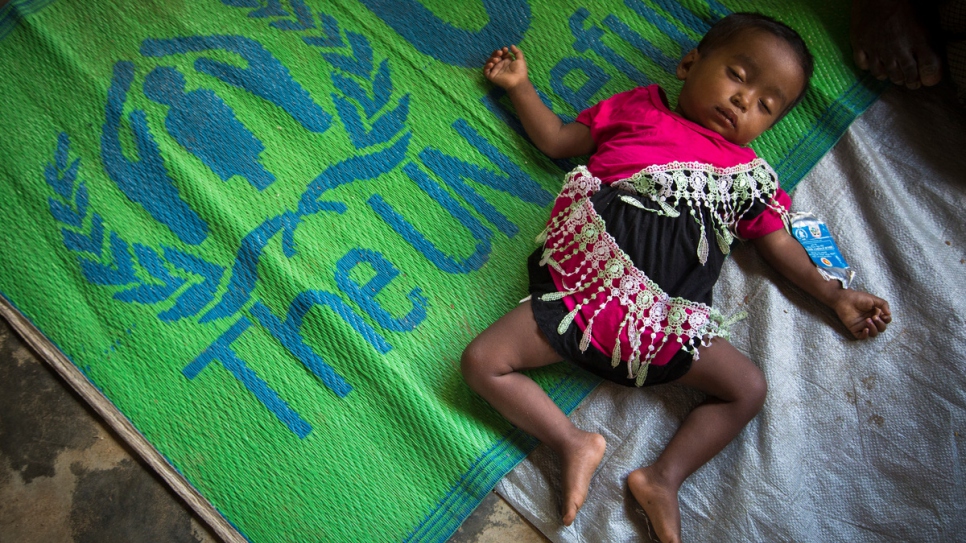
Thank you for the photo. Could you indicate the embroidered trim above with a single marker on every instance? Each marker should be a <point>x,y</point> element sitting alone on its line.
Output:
<point>728,193</point>
<point>595,270</point>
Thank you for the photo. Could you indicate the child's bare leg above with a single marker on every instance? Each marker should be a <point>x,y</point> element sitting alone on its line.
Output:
<point>491,365</point>
<point>736,391</point>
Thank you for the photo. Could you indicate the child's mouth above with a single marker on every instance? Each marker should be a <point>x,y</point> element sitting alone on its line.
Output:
<point>728,116</point>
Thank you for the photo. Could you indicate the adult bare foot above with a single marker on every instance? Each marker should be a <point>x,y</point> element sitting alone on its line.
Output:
<point>660,503</point>
<point>891,39</point>
<point>578,464</point>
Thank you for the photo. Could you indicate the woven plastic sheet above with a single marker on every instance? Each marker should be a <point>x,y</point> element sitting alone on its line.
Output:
<point>858,441</point>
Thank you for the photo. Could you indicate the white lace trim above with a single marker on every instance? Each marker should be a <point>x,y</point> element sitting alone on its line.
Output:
<point>728,193</point>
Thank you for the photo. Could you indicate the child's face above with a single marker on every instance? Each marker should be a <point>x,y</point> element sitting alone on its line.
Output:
<point>740,88</point>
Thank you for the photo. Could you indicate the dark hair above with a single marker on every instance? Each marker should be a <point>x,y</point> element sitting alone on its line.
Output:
<point>727,28</point>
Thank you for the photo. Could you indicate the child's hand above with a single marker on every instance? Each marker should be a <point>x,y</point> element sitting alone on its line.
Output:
<point>863,314</point>
<point>506,67</point>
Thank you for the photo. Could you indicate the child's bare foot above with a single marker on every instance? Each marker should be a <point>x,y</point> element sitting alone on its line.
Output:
<point>660,503</point>
<point>578,464</point>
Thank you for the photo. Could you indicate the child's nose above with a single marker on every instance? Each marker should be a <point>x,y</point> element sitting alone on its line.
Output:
<point>739,101</point>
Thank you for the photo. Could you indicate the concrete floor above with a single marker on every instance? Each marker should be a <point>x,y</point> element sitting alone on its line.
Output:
<point>65,477</point>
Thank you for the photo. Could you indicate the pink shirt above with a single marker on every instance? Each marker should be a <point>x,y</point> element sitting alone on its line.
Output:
<point>635,129</point>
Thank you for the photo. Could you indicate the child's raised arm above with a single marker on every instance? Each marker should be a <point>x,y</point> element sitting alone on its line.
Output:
<point>507,68</point>
<point>863,314</point>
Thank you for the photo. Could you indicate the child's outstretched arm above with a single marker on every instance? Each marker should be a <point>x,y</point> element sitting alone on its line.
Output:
<point>507,68</point>
<point>863,314</point>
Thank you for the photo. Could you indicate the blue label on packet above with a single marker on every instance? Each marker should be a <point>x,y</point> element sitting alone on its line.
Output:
<point>821,248</point>
<point>819,245</point>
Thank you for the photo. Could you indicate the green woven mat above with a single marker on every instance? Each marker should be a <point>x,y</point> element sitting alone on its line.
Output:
<point>264,230</point>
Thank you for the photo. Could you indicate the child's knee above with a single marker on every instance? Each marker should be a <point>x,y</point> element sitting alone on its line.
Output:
<point>472,363</point>
<point>756,389</point>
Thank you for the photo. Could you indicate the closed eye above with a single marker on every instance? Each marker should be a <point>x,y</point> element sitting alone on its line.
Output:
<point>765,106</point>
<point>734,74</point>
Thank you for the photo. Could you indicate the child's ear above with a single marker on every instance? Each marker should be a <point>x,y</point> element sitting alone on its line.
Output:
<point>686,63</point>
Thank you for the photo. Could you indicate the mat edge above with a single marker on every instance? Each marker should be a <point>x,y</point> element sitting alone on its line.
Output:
<point>118,422</point>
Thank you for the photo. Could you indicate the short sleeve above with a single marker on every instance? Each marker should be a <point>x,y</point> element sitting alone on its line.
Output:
<point>762,220</point>
<point>588,115</point>
<point>601,112</point>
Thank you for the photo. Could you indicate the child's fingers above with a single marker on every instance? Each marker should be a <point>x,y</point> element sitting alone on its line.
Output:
<point>875,326</point>
<point>882,305</point>
<point>868,329</point>
<point>495,56</point>
<point>871,328</point>
<point>882,313</point>
<point>886,314</point>
<point>880,324</point>
<point>493,63</point>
